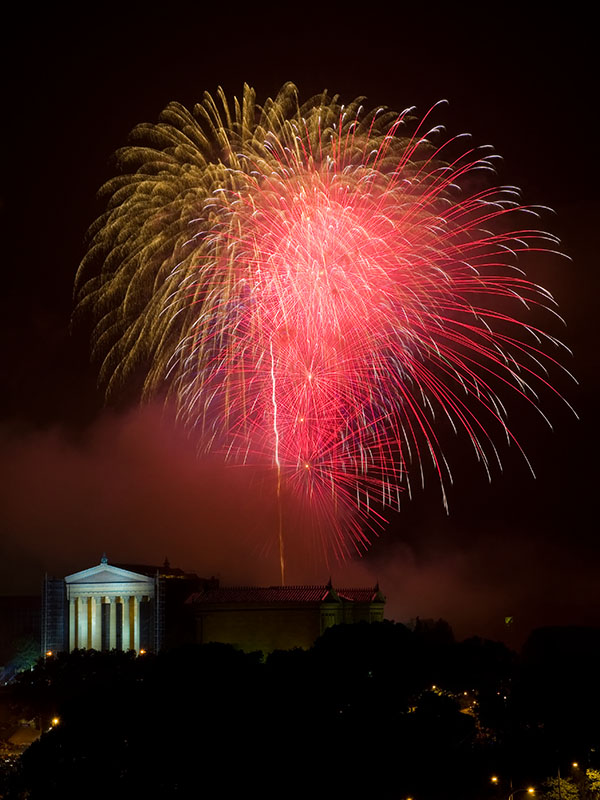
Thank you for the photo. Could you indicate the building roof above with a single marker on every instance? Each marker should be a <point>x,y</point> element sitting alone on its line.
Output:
<point>372,595</point>
<point>163,571</point>
<point>286,594</point>
<point>105,573</point>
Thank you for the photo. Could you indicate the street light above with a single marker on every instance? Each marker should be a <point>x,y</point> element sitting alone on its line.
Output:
<point>514,792</point>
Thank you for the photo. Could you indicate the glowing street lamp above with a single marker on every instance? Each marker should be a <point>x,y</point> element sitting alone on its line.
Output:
<point>514,792</point>
<point>529,790</point>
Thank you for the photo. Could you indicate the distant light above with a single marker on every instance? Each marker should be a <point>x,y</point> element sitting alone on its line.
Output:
<point>531,790</point>
<point>142,652</point>
<point>55,721</point>
<point>48,653</point>
<point>575,764</point>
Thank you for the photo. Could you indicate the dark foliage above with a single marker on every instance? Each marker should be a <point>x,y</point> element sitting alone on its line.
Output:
<point>377,710</point>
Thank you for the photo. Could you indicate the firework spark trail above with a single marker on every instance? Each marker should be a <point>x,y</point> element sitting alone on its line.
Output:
<point>278,467</point>
<point>313,285</point>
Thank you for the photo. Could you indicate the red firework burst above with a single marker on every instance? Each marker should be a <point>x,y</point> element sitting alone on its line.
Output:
<point>314,284</point>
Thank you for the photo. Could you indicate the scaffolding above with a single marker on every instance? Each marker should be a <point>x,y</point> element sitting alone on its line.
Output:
<point>54,616</point>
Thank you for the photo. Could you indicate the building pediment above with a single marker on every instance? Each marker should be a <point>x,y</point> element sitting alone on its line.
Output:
<point>106,574</point>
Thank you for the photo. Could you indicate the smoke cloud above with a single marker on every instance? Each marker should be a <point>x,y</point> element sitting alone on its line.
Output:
<point>132,486</point>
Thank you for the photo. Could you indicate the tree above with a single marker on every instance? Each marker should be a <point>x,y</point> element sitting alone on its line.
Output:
<point>560,789</point>
<point>26,652</point>
<point>593,783</point>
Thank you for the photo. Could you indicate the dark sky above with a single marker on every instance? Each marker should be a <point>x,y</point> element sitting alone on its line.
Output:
<point>79,479</point>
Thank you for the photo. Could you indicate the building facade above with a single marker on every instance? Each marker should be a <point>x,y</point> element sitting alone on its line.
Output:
<point>123,607</point>
<point>146,608</point>
<point>101,608</point>
<point>279,617</point>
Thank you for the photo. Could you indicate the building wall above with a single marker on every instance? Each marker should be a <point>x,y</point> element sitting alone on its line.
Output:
<point>363,612</point>
<point>263,628</point>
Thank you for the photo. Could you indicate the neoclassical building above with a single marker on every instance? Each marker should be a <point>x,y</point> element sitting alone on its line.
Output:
<point>139,607</point>
<point>107,607</point>
<point>104,607</point>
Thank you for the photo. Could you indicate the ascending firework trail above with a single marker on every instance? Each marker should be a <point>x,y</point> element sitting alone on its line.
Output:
<point>316,286</point>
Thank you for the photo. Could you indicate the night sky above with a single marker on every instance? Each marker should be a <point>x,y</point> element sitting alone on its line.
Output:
<point>79,479</point>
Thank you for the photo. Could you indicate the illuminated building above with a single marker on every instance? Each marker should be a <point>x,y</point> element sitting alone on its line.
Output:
<point>124,607</point>
<point>139,607</point>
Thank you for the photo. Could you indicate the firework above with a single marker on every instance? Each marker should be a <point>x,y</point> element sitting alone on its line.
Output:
<point>316,286</point>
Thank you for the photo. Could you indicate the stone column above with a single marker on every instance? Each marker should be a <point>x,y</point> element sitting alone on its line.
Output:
<point>97,623</point>
<point>127,643</point>
<point>91,620</point>
<point>82,623</point>
<point>72,625</point>
<point>112,623</point>
<point>136,624</point>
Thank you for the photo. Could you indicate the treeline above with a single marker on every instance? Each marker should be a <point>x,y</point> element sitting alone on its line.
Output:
<point>376,710</point>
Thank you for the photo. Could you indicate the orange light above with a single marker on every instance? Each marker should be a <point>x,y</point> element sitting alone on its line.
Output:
<point>575,764</point>
<point>531,790</point>
<point>142,652</point>
<point>55,721</point>
<point>48,653</point>
<point>494,779</point>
